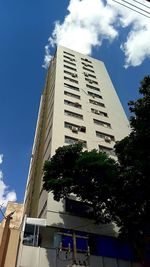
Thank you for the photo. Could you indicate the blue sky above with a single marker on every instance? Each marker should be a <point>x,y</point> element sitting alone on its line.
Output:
<point>25,27</point>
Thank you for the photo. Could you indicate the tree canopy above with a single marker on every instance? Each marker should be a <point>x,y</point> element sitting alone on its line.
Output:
<point>133,154</point>
<point>89,175</point>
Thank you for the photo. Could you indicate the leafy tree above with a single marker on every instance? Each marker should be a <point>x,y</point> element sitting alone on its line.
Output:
<point>89,175</point>
<point>133,184</point>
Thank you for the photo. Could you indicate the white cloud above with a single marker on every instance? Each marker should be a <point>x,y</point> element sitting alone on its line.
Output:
<point>89,22</point>
<point>137,46</point>
<point>5,194</point>
<point>86,25</point>
<point>1,158</point>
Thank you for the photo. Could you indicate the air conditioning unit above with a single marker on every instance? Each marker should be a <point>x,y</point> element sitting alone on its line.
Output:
<point>76,104</point>
<point>107,139</point>
<point>90,81</point>
<point>74,75</point>
<point>86,74</point>
<point>72,59</point>
<point>74,129</point>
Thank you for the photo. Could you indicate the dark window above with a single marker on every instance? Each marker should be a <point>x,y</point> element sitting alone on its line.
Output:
<point>88,69</point>
<point>71,95</point>
<point>30,237</point>
<point>70,140</point>
<point>71,86</point>
<point>79,208</point>
<point>95,95</point>
<point>70,80</point>
<point>92,87</point>
<point>73,104</point>
<point>87,65</point>
<point>74,75</point>
<point>73,114</point>
<point>107,150</point>
<point>70,68</point>
<point>101,113</point>
<point>91,81</point>
<point>87,60</point>
<point>107,137</point>
<point>102,123</point>
<point>71,59</point>
<point>71,63</point>
<point>74,127</point>
<point>86,74</point>
<point>107,246</point>
<point>97,104</point>
<point>67,53</point>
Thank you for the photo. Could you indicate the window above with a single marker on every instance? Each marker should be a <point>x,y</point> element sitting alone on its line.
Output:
<point>30,237</point>
<point>91,81</point>
<point>87,65</point>
<point>96,103</point>
<point>107,137</point>
<point>73,104</point>
<point>71,95</point>
<point>70,140</point>
<point>67,53</point>
<point>88,69</point>
<point>74,127</point>
<point>92,87</point>
<point>98,112</point>
<point>74,75</point>
<point>102,123</point>
<point>79,208</point>
<point>71,63</point>
<point>89,75</point>
<point>95,111</point>
<point>70,80</point>
<point>73,114</point>
<point>70,68</point>
<point>71,59</point>
<point>95,95</point>
<point>87,60</point>
<point>107,150</point>
<point>64,240</point>
<point>71,87</point>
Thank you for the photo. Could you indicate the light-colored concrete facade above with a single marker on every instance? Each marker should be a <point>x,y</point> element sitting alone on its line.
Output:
<point>79,103</point>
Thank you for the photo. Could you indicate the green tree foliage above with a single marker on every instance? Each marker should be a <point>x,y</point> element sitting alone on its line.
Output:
<point>88,175</point>
<point>133,185</point>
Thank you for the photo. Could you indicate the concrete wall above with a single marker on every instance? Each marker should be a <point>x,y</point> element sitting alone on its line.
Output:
<point>11,234</point>
<point>52,134</point>
<point>56,215</point>
<point>37,257</point>
<point>12,249</point>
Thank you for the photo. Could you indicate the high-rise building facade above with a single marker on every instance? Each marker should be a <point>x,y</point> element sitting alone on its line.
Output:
<point>78,104</point>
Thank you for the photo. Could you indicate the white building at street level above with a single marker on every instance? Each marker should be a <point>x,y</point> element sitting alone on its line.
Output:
<point>79,103</point>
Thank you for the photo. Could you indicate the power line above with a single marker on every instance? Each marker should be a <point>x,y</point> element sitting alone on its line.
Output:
<point>141,3</point>
<point>135,6</point>
<point>131,8</point>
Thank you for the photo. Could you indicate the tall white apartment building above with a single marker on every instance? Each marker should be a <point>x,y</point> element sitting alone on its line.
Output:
<point>79,103</point>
